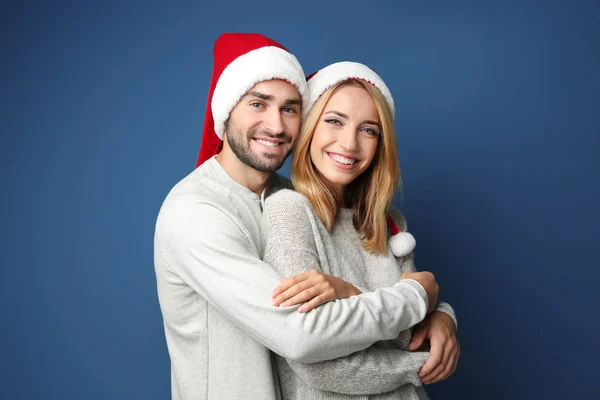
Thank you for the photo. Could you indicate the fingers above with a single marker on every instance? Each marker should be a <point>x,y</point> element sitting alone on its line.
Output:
<point>418,337</point>
<point>302,288</point>
<point>289,282</point>
<point>305,295</point>
<point>451,366</point>
<point>448,364</point>
<point>315,302</point>
<point>436,354</point>
<point>452,362</point>
<point>312,288</point>
<point>291,291</point>
<point>439,369</point>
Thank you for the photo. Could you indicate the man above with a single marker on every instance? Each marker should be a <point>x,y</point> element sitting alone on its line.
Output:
<point>214,290</point>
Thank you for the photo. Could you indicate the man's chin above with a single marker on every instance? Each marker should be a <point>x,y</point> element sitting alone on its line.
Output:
<point>271,162</point>
<point>259,158</point>
<point>269,166</point>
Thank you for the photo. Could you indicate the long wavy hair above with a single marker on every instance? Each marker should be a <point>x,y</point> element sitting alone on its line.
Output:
<point>370,194</point>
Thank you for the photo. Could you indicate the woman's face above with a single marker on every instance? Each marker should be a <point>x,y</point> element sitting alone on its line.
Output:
<point>346,136</point>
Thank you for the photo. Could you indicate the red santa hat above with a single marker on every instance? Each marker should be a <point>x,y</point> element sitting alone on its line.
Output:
<point>241,60</point>
<point>320,81</point>
<point>401,243</point>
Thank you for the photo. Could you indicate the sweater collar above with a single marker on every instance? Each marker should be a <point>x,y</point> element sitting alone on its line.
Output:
<point>222,176</point>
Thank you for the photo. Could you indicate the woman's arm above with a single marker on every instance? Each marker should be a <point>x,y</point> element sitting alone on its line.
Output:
<point>371,371</point>
<point>292,246</point>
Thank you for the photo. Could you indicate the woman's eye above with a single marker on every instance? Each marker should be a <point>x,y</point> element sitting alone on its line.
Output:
<point>371,131</point>
<point>333,121</point>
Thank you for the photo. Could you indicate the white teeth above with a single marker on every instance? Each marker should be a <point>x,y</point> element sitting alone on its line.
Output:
<point>267,143</point>
<point>341,159</point>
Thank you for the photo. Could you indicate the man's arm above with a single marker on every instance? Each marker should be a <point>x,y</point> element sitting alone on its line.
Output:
<point>207,248</point>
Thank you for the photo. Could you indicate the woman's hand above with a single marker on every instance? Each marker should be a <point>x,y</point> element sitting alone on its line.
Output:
<point>312,288</point>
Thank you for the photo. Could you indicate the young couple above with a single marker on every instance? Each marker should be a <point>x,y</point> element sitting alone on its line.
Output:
<point>352,319</point>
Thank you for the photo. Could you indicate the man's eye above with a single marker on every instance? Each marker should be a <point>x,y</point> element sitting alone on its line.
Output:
<point>256,105</point>
<point>289,109</point>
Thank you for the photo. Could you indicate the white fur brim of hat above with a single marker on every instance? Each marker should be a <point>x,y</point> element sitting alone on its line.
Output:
<point>247,70</point>
<point>402,244</point>
<point>341,71</point>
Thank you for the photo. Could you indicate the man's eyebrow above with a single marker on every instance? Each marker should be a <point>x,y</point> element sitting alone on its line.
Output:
<point>269,97</point>
<point>262,96</point>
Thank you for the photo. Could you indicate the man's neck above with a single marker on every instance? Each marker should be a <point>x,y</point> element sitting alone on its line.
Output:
<point>243,174</point>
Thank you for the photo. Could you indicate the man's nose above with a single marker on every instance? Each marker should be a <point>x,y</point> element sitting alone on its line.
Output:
<point>274,122</point>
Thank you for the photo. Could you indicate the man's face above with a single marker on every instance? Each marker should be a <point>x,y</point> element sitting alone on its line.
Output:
<point>263,126</point>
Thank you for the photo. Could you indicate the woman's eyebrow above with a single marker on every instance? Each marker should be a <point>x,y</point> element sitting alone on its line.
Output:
<point>337,113</point>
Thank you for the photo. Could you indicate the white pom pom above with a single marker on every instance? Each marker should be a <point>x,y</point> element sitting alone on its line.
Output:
<point>402,244</point>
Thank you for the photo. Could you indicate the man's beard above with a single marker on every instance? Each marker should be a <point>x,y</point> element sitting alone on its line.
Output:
<point>268,162</point>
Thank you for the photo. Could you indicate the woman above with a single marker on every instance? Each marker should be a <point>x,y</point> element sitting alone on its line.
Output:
<point>345,173</point>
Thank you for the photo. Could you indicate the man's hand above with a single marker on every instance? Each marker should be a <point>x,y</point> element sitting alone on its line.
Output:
<point>314,288</point>
<point>427,280</point>
<point>440,330</point>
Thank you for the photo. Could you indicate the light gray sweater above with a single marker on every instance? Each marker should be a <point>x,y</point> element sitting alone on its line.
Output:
<point>295,241</point>
<point>214,294</point>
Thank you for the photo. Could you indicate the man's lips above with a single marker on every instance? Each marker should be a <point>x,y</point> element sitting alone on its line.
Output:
<point>268,142</point>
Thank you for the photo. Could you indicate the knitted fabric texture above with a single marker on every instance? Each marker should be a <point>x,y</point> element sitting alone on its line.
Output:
<point>294,238</point>
<point>214,292</point>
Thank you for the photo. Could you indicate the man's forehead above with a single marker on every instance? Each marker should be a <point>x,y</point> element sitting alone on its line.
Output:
<point>275,89</point>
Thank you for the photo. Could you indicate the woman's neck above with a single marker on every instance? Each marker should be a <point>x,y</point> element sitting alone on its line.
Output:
<point>339,192</point>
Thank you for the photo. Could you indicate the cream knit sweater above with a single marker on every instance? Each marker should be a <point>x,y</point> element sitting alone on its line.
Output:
<point>214,294</point>
<point>295,241</point>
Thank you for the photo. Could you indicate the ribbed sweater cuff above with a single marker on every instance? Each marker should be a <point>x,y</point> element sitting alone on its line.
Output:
<point>447,309</point>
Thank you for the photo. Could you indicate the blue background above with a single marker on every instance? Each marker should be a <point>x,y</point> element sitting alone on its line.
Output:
<point>102,105</point>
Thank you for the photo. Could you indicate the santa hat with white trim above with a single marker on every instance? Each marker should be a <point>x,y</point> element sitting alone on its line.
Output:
<point>401,243</point>
<point>323,79</point>
<point>241,60</point>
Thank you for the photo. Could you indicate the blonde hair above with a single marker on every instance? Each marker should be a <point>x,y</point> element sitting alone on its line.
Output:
<point>371,193</point>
